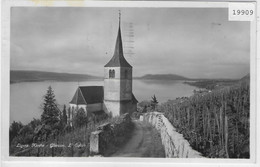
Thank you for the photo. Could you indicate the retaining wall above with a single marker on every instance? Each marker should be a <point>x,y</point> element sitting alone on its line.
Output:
<point>175,145</point>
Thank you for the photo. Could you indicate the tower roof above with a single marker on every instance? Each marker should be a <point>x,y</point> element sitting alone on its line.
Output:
<point>118,59</point>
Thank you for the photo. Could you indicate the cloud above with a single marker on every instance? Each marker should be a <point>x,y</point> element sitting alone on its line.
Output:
<point>195,43</point>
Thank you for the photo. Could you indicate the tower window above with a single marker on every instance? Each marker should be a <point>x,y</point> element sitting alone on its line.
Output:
<point>111,73</point>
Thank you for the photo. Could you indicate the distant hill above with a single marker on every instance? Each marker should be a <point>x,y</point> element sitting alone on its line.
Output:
<point>163,77</point>
<point>35,76</point>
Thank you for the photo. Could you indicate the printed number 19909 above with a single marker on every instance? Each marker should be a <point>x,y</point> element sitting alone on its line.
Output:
<point>243,12</point>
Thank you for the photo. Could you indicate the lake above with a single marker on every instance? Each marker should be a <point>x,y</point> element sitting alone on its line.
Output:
<point>26,97</point>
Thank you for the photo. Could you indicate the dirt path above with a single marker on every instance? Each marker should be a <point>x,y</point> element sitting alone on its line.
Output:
<point>145,142</point>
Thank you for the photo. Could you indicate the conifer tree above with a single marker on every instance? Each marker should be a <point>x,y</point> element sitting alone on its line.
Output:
<point>14,129</point>
<point>50,115</point>
<point>69,116</point>
<point>154,102</point>
<point>64,116</point>
<point>80,119</point>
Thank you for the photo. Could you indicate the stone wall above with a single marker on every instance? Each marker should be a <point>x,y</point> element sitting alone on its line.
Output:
<point>174,143</point>
<point>108,136</point>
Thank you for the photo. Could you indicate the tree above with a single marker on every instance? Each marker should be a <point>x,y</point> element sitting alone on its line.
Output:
<point>69,116</point>
<point>144,109</point>
<point>154,102</point>
<point>50,115</point>
<point>64,116</point>
<point>34,123</point>
<point>80,119</point>
<point>15,127</point>
<point>26,134</point>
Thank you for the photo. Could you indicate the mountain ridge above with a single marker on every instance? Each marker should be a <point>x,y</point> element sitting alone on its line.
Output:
<point>37,76</point>
<point>163,77</point>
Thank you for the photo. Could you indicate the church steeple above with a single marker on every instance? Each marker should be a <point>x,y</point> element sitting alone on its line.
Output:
<point>118,59</point>
<point>118,81</point>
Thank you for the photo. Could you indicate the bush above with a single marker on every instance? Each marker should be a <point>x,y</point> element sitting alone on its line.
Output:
<point>80,119</point>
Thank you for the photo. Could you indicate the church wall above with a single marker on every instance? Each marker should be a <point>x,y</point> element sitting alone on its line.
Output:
<point>83,106</point>
<point>112,107</point>
<point>127,107</point>
<point>129,73</point>
<point>126,89</point>
<point>120,87</point>
<point>89,107</point>
<point>111,89</point>
<point>112,85</point>
<point>126,83</point>
<point>117,72</point>
<point>94,107</point>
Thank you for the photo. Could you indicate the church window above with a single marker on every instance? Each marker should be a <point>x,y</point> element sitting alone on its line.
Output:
<point>111,73</point>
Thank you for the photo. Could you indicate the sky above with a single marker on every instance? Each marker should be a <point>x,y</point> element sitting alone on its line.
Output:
<point>195,43</point>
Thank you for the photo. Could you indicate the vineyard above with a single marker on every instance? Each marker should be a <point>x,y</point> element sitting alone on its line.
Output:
<point>217,123</point>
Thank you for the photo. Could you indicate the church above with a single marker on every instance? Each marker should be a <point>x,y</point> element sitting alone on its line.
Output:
<point>116,97</point>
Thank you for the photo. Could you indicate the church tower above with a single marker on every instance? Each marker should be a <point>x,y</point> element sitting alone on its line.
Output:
<point>118,96</point>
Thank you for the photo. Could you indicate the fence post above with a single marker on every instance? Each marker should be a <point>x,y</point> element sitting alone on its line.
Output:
<point>94,142</point>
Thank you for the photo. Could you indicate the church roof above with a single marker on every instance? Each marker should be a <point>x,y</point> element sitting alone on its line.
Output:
<point>91,95</point>
<point>88,95</point>
<point>118,59</point>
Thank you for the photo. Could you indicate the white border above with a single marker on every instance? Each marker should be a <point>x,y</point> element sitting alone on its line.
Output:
<point>58,161</point>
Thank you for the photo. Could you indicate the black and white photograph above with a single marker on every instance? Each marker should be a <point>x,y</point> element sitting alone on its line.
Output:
<point>132,82</point>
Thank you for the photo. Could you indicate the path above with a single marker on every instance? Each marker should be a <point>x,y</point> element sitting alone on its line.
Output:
<point>145,142</point>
